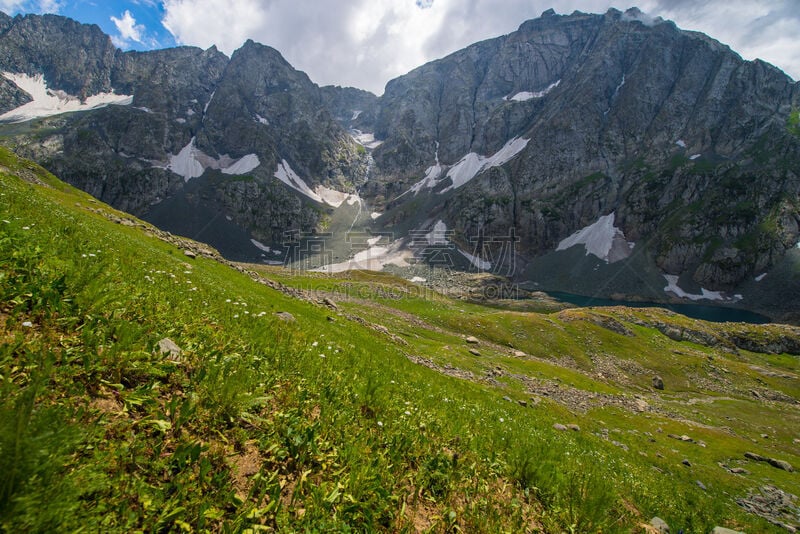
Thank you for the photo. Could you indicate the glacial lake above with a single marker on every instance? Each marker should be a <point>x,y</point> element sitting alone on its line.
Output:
<point>714,314</point>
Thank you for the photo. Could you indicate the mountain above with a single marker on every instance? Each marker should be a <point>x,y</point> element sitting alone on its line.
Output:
<point>195,148</point>
<point>676,137</point>
<point>618,155</point>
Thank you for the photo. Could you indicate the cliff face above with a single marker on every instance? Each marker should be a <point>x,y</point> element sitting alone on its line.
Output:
<point>551,129</point>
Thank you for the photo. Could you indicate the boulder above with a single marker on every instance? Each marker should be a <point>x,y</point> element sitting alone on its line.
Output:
<point>169,348</point>
<point>658,382</point>
<point>660,525</point>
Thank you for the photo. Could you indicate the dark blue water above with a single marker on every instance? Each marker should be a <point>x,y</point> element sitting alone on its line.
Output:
<point>714,314</point>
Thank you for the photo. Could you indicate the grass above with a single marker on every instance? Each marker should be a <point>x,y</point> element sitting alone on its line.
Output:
<point>323,423</point>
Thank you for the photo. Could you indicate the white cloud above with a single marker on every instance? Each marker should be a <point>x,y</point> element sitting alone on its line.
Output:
<point>211,22</point>
<point>31,6</point>
<point>128,29</point>
<point>365,43</point>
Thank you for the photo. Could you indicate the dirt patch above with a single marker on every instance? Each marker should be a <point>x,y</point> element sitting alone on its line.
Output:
<point>107,405</point>
<point>244,466</point>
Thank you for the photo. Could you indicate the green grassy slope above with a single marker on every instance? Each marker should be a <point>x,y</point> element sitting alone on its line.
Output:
<point>365,415</point>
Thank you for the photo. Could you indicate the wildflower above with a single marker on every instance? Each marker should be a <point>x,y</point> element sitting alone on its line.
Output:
<point>321,355</point>
<point>236,316</point>
<point>27,324</point>
<point>407,412</point>
<point>502,420</point>
<point>26,227</point>
<point>314,344</point>
<point>380,423</point>
<point>227,300</point>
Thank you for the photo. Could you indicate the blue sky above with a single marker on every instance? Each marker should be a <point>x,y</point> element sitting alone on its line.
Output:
<point>365,43</point>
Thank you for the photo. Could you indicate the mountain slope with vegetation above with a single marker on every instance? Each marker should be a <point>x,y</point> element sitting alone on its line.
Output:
<point>147,384</point>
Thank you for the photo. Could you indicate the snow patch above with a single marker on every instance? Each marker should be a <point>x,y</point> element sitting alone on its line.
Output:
<point>180,120</point>
<point>320,193</point>
<point>432,175</point>
<point>374,215</point>
<point>523,96</point>
<point>418,280</point>
<point>437,236</point>
<point>477,262</point>
<point>601,239</point>
<point>261,120</point>
<point>372,259</point>
<point>365,139</point>
<point>191,162</point>
<point>473,164</point>
<point>185,162</point>
<point>681,143</point>
<point>694,156</point>
<point>760,277</point>
<point>286,175</point>
<point>243,165</point>
<point>205,108</point>
<point>467,167</point>
<point>47,102</point>
<point>672,287</point>
<point>335,198</point>
<point>356,113</point>
<point>260,246</point>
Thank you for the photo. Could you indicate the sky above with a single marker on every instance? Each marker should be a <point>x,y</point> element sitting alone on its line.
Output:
<point>365,43</point>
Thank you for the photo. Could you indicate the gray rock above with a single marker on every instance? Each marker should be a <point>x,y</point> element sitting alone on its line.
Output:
<point>189,254</point>
<point>285,316</point>
<point>472,340</point>
<point>658,382</point>
<point>559,426</point>
<point>169,348</point>
<point>574,427</point>
<point>474,352</point>
<point>779,464</point>
<point>723,530</point>
<point>686,462</point>
<point>660,525</point>
<point>700,485</point>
